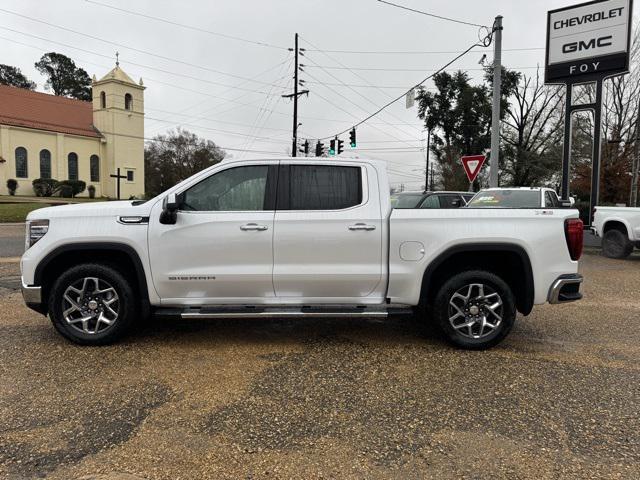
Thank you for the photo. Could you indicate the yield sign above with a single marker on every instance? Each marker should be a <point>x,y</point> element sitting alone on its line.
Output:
<point>472,165</point>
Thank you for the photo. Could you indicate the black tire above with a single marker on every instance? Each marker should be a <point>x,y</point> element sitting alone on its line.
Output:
<point>616,244</point>
<point>458,285</point>
<point>124,305</point>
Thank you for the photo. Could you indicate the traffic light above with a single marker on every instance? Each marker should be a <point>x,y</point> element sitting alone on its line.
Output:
<point>340,146</point>
<point>319,149</point>
<point>352,138</point>
<point>305,148</point>
<point>332,147</point>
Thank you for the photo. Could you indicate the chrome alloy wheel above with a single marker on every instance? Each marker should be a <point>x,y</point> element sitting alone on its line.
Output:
<point>90,305</point>
<point>475,310</point>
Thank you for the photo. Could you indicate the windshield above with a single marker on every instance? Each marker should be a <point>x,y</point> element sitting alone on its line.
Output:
<point>406,200</point>
<point>506,199</point>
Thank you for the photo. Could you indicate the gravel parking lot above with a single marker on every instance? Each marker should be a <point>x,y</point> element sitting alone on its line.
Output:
<point>326,398</point>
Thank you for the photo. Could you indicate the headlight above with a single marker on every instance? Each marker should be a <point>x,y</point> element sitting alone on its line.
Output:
<point>36,229</point>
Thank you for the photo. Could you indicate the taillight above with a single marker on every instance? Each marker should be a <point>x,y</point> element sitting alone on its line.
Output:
<point>574,232</point>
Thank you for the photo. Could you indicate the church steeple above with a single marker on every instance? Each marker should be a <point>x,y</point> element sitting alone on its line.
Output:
<point>118,113</point>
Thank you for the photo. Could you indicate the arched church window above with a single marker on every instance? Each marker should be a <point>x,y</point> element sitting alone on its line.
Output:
<point>45,163</point>
<point>128,101</point>
<point>103,100</point>
<point>72,163</point>
<point>21,163</point>
<point>94,168</point>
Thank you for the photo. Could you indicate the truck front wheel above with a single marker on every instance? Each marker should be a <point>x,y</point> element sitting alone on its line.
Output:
<point>475,309</point>
<point>92,304</point>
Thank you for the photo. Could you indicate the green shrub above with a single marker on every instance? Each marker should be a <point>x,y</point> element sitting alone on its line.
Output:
<point>44,187</point>
<point>12,186</point>
<point>71,188</point>
<point>92,191</point>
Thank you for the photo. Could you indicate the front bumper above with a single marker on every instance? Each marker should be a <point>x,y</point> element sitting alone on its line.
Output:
<point>33,298</point>
<point>566,288</point>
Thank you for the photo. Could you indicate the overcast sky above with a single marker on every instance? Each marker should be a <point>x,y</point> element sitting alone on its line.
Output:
<point>228,89</point>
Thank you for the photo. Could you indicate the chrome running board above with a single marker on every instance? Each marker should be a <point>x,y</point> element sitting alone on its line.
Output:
<point>284,312</point>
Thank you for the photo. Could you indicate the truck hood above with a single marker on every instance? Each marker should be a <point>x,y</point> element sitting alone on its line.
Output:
<point>92,209</point>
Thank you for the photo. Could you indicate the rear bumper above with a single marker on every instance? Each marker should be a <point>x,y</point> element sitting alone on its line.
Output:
<point>565,289</point>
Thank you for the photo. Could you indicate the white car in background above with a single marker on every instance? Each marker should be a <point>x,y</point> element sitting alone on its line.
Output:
<point>518,197</point>
<point>619,228</point>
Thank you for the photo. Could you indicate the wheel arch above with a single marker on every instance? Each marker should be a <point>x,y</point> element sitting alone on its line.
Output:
<point>118,255</point>
<point>617,224</point>
<point>509,261</point>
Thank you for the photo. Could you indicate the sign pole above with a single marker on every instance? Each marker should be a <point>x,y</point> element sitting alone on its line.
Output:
<point>597,151</point>
<point>633,200</point>
<point>566,151</point>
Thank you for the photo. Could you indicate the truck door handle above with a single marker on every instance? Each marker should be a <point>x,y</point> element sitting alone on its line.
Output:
<point>253,227</point>
<point>362,226</point>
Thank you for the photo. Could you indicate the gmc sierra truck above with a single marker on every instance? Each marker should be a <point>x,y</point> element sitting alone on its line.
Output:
<point>294,237</point>
<point>619,228</point>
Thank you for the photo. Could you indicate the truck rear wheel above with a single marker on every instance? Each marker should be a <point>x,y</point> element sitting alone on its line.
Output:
<point>475,310</point>
<point>615,244</point>
<point>92,304</point>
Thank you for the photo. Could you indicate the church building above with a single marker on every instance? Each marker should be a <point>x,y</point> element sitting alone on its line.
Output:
<point>47,136</point>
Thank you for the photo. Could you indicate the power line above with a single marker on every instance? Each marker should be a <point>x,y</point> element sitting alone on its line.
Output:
<point>191,27</point>
<point>484,42</point>
<point>414,52</point>
<point>349,113</point>
<point>449,19</point>
<point>377,69</point>
<point>226,132</point>
<point>202,114</point>
<point>145,52</point>
<point>356,85</point>
<point>134,63</point>
<point>350,88</point>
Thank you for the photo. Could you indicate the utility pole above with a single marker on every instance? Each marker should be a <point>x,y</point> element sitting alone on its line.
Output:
<point>295,95</point>
<point>431,188</point>
<point>495,112</point>
<point>426,170</point>
<point>635,171</point>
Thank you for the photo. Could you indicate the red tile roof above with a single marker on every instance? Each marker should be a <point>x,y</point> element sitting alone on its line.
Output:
<point>25,108</point>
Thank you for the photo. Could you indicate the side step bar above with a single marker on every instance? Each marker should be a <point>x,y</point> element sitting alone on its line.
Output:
<point>284,312</point>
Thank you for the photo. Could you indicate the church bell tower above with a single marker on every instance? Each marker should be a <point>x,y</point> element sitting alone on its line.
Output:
<point>118,114</point>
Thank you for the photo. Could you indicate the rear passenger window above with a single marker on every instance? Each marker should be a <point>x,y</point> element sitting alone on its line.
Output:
<point>551,200</point>
<point>324,187</point>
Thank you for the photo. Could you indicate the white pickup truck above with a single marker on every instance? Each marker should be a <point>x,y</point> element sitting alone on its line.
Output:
<point>619,228</point>
<point>295,238</point>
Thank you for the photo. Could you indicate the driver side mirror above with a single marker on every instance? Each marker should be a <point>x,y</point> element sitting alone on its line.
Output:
<point>170,205</point>
<point>456,203</point>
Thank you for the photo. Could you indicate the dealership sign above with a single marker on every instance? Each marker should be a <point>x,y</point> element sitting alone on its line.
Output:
<point>588,41</point>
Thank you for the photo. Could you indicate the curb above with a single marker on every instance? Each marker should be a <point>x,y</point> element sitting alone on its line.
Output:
<point>9,259</point>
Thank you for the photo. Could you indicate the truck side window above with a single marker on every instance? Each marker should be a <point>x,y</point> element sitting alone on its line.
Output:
<point>551,200</point>
<point>234,189</point>
<point>324,187</point>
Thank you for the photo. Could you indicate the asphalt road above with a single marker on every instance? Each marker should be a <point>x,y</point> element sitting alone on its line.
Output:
<point>11,239</point>
<point>329,399</point>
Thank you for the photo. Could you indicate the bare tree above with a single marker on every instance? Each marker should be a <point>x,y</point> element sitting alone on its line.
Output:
<point>532,133</point>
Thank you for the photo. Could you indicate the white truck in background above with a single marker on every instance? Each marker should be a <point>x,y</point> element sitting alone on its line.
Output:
<point>619,228</point>
<point>295,237</point>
